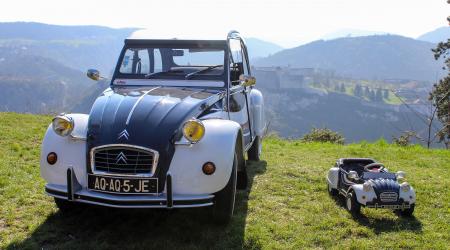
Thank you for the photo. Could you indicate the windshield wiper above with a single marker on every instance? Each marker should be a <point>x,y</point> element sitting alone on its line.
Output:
<point>188,76</point>
<point>151,75</point>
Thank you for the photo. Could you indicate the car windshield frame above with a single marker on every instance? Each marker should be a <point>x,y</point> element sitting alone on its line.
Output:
<point>219,45</point>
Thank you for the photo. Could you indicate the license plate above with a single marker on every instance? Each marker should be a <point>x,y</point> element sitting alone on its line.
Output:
<point>123,185</point>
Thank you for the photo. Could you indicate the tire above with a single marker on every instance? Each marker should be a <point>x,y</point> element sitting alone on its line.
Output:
<point>331,191</point>
<point>242,179</point>
<point>66,206</point>
<point>352,204</point>
<point>254,153</point>
<point>408,212</point>
<point>224,200</point>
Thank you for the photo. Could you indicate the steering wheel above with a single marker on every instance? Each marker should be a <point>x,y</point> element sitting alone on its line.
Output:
<point>380,167</point>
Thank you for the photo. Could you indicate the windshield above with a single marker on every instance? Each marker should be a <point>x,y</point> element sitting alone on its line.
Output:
<point>172,63</point>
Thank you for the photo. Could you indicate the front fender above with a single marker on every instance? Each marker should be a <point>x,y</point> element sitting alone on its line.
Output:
<point>359,192</point>
<point>257,112</point>
<point>71,153</point>
<point>217,146</point>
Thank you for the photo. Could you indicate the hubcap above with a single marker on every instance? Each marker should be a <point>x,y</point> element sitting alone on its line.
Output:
<point>349,203</point>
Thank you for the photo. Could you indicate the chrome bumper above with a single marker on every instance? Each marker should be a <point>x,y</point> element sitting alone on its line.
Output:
<point>400,206</point>
<point>75,193</point>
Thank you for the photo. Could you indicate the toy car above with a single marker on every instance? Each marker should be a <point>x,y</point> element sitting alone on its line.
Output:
<point>365,182</point>
<point>171,131</point>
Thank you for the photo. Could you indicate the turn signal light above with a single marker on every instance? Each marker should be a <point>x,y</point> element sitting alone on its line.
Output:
<point>52,158</point>
<point>209,168</point>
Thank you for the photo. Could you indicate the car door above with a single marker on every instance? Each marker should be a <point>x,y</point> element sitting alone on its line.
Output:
<point>238,100</point>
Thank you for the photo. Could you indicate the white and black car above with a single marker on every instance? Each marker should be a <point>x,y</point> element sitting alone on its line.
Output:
<point>365,182</point>
<point>171,131</point>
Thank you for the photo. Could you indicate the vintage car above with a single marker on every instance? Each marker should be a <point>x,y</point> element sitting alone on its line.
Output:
<point>171,131</point>
<point>365,182</point>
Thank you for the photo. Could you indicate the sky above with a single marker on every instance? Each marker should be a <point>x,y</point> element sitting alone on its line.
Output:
<point>285,22</point>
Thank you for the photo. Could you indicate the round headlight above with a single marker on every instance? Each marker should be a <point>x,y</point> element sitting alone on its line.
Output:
<point>193,130</point>
<point>401,175</point>
<point>405,187</point>
<point>367,186</point>
<point>63,125</point>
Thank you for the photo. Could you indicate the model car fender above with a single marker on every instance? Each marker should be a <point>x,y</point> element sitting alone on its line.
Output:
<point>257,111</point>
<point>409,196</point>
<point>217,146</point>
<point>71,152</point>
<point>333,177</point>
<point>363,196</point>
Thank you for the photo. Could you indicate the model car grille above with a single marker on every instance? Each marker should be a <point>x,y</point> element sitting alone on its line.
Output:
<point>124,160</point>
<point>388,197</point>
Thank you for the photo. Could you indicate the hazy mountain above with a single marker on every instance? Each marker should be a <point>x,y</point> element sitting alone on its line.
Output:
<point>437,35</point>
<point>369,57</point>
<point>78,47</point>
<point>259,48</point>
<point>351,33</point>
<point>36,84</point>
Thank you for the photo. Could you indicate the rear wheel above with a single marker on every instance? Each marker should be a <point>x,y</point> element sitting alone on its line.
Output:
<point>352,204</point>
<point>254,153</point>
<point>331,191</point>
<point>224,199</point>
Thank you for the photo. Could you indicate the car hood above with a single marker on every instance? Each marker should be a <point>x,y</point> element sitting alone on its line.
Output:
<point>385,185</point>
<point>146,116</point>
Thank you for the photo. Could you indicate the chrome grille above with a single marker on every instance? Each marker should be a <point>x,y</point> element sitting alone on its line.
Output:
<point>388,197</point>
<point>124,160</point>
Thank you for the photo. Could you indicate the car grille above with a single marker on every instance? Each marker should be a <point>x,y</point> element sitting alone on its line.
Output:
<point>124,160</point>
<point>388,197</point>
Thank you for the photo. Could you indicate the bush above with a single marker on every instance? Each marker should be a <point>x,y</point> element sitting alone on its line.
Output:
<point>323,135</point>
<point>404,139</point>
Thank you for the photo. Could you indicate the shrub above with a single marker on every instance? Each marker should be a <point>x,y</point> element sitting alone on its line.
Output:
<point>323,135</point>
<point>404,139</point>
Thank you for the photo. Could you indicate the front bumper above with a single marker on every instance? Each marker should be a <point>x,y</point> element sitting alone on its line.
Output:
<point>75,193</point>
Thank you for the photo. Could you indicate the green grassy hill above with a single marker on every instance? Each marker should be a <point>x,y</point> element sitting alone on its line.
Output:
<point>287,206</point>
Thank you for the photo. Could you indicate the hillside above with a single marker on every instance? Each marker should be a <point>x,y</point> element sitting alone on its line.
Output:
<point>369,57</point>
<point>438,35</point>
<point>258,48</point>
<point>36,84</point>
<point>286,206</point>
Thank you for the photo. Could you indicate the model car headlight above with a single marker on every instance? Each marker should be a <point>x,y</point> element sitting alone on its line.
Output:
<point>193,130</point>
<point>401,175</point>
<point>63,125</point>
<point>367,186</point>
<point>405,187</point>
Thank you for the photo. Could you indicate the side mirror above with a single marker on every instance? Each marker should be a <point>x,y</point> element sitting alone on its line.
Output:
<point>247,81</point>
<point>352,175</point>
<point>94,74</point>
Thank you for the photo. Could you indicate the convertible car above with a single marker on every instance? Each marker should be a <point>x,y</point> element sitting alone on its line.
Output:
<point>365,182</point>
<point>171,131</point>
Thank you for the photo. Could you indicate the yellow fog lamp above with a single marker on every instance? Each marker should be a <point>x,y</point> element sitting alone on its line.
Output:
<point>63,125</point>
<point>193,130</point>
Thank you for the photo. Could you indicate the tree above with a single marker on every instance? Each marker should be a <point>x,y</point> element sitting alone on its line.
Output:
<point>378,96</point>
<point>440,95</point>
<point>386,94</point>
<point>342,88</point>
<point>366,92</point>
<point>357,91</point>
<point>371,95</point>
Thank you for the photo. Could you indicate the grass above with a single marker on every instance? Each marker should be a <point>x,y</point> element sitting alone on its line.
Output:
<point>287,206</point>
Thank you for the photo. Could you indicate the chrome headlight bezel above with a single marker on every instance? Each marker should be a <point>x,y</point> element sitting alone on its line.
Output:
<point>405,187</point>
<point>367,186</point>
<point>194,122</point>
<point>63,125</point>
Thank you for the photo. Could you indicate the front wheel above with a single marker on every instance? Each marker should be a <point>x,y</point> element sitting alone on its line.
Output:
<point>407,212</point>
<point>352,204</point>
<point>224,199</point>
<point>254,153</point>
<point>331,191</point>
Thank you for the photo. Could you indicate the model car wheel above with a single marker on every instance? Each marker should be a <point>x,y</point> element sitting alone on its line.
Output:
<point>224,199</point>
<point>66,206</point>
<point>352,204</point>
<point>254,153</point>
<point>408,212</point>
<point>331,191</point>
